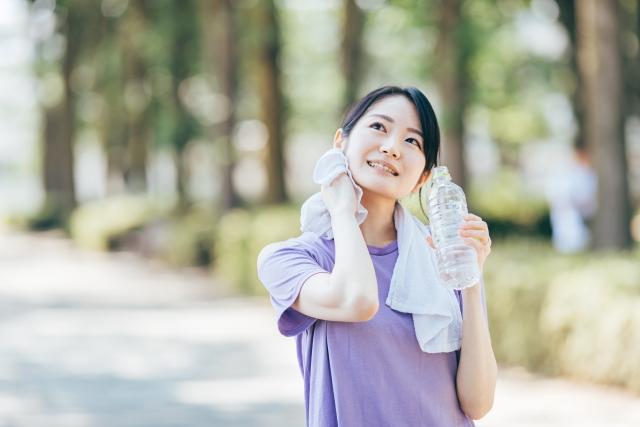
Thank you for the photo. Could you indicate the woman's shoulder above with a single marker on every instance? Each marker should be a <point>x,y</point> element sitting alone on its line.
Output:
<point>307,242</point>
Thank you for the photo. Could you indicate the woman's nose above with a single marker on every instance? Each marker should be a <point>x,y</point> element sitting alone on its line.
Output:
<point>390,149</point>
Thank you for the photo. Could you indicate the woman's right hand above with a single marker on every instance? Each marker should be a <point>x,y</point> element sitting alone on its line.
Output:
<point>340,196</point>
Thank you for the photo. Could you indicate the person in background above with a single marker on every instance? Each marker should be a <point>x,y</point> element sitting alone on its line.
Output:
<point>571,194</point>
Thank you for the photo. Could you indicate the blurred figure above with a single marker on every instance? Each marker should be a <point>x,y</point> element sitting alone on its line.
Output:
<point>571,194</point>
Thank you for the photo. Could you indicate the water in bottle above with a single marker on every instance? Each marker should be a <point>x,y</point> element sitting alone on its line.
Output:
<point>457,261</point>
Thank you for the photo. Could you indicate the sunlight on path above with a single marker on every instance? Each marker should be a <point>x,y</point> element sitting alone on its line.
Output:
<point>525,400</point>
<point>94,339</point>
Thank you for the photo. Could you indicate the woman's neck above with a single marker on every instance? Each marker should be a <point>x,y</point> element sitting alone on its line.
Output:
<point>378,228</point>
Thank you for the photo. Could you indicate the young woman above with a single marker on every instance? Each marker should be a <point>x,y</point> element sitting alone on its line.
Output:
<point>360,360</point>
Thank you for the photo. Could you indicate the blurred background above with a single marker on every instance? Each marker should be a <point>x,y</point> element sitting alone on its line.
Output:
<point>165,141</point>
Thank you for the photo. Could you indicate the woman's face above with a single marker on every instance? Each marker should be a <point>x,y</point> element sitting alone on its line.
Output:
<point>385,149</point>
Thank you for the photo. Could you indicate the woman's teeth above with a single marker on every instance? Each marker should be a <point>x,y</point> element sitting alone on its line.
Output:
<point>382,167</point>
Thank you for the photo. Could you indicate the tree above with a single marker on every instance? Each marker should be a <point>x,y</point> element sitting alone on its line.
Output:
<point>568,19</point>
<point>600,65</point>
<point>352,30</point>
<point>271,97</point>
<point>112,86</point>
<point>59,126</point>
<point>451,78</point>
<point>138,113</point>
<point>185,53</point>
<point>220,53</point>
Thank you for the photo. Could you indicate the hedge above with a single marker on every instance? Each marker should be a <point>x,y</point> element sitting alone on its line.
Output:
<point>574,316</point>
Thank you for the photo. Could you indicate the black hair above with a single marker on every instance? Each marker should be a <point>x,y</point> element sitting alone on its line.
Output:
<point>428,120</point>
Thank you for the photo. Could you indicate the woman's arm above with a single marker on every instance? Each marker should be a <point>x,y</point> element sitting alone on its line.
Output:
<point>477,369</point>
<point>350,292</point>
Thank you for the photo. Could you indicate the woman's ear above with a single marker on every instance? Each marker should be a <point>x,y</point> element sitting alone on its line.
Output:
<point>423,179</point>
<point>339,141</point>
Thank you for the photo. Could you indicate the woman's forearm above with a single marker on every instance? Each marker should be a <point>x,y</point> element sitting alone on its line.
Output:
<point>353,277</point>
<point>477,370</point>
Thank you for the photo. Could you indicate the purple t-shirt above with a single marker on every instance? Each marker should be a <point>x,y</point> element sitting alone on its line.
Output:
<point>360,374</point>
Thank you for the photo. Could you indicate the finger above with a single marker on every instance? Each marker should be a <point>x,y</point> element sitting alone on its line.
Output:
<point>471,217</point>
<point>477,225</point>
<point>480,235</point>
<point>430,241</point>
<point>479,247</point>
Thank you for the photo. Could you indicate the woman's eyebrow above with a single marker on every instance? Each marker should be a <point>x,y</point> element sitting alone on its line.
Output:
<point>389,119</point>
<point>415,131</point>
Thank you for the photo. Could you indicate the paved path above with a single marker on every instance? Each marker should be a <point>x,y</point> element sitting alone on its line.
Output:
<point>90,339</point>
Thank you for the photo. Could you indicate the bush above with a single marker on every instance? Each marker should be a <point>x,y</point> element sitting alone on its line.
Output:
<point>190,238</point>
<point>97,225</point>
<point>591,320</point>
<point>240,237</point>
<point>516,276</point>
<point>576,316</point>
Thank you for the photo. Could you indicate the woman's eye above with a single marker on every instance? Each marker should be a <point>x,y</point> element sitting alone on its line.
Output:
<point>413,141</point>
<point>377,126</point>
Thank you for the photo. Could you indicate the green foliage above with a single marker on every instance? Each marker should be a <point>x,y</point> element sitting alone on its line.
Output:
<point>312,82</point>
<point>504,199</point>
<point>240,237</point>
<point>515,124</point>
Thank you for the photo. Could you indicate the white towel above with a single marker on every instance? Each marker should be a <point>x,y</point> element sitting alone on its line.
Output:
<point>415,284</point>
<point>314,216</point>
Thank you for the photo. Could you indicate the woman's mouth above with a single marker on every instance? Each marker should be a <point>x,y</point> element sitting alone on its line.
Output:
<point>382,167</point>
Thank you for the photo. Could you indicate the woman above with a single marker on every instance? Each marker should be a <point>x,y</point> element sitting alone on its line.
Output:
<point>360,360</point>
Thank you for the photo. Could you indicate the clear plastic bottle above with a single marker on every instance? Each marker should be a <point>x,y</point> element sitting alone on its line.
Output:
<point>457,261</point>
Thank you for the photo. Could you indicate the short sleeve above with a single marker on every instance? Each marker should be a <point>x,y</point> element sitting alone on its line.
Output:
<point>283,273</point>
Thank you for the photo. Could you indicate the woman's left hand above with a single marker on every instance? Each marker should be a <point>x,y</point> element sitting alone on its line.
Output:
<point>475,233</point>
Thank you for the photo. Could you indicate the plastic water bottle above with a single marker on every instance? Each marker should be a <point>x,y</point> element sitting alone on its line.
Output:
<point>457,261</point>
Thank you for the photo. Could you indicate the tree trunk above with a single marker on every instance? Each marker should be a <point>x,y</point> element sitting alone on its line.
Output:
<point>352,50</point>
<point>58,166</point>
<point>184,54</point>
<point>450,78</point>
<point>59,136</point>
<point>568,19</point>
<point>636,68</point>
<point>600,65</point>
<point>221,60</point>
<point>271,100</point>
<point>139,122</point>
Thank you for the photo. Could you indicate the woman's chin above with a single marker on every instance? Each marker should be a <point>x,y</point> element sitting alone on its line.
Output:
<point>381,191</point>
<point>379,185</point>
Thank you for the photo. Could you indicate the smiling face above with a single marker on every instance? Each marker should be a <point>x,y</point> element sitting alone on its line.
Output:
<point>385,149</point>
